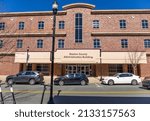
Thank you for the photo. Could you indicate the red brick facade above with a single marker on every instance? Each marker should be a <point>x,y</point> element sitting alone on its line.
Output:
<point>109,34</point>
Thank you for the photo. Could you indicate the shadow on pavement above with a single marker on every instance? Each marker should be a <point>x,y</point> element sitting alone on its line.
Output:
<point>100,100</point>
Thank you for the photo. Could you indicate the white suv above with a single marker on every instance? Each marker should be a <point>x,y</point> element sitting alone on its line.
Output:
<point>122,78</point>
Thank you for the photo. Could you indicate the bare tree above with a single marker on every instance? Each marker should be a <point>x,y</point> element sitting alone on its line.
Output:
<point>136,54</point>
<point>7,43</point>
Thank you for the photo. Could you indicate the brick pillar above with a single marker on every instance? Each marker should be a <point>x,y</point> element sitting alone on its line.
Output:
<point>125,68</point>
<point>24,67</point>
<point>33,67</point>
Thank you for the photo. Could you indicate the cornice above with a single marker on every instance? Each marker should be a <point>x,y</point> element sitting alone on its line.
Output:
<point>18,14</point>
<point>120,34</point>
<point>32,35</point>
<point>129,11</point>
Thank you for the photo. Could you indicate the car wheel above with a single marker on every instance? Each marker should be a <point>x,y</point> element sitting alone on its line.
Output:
<point>32,82</point>
<point>83,83</point>
<point>134,82</point>
<point>148,87</point>
<point>10,81</point>
<point>61,83</point>
<point>110,82</point>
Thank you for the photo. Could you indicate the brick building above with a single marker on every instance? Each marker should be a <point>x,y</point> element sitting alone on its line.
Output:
<point>123,36</point>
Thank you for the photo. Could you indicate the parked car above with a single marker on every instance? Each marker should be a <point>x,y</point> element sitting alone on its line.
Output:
<point>72,79</point>
<point>122,78</point>
<point>146,82</point>
<point>30,77</point>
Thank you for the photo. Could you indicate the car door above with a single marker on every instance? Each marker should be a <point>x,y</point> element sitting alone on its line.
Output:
<point>77,79</point>
<point>20,77</point>
<point>27,76</point>
<point>71,79</point>
<point>124,79</point>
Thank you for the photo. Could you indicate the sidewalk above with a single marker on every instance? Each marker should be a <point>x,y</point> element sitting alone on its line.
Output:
<point>91,79</point>
<point>47,79</point>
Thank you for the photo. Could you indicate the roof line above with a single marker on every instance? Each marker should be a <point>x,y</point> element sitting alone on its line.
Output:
<point>78,5</point>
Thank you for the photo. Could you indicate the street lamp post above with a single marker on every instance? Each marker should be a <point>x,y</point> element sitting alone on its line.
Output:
<point>55,8</point>
<point>27,58</point>
<point>101,64</point>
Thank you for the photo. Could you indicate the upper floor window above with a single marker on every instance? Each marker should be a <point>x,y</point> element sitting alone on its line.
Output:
<point>1,43</point>
<point>122,23</point>
<point>39,43</point>
<point>21,25</point>
<point>78,28</point>
<point>61,24</point>
<point>96,43</point>
<point>144,23</point>
<point>2,26</point>
<point>19,43</point>
<point>147,43</point>
<point>61,43</point>
<point>124,43</point>
<point>41,25</point>
<point>95,23</point>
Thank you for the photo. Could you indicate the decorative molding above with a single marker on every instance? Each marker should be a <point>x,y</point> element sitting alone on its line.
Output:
<point>134,11</point>
<point>120,34</point>
<point>18,14</point>
<point>78,5</point>
<point>32,35</point>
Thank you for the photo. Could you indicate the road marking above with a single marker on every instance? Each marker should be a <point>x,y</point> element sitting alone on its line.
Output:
<point>81,92</point>
<point>97,85</point>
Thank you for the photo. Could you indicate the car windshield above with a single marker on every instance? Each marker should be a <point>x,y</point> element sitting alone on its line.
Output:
<point>20,73</point>
<point>116,75</point>
<point>67,76</point>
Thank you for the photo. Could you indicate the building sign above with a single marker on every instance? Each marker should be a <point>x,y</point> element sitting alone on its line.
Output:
<point>77,56</point>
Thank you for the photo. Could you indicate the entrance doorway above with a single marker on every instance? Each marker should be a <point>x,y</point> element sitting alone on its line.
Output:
<point>81,68</point>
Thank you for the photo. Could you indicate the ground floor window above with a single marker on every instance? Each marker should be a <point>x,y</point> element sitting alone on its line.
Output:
<point>29,67</point>
<point>79,68</point>
<point>130,69</point>
<point>44,68</point>
<point>115,68</point>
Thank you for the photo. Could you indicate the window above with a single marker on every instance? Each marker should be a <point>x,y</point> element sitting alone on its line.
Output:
<point>39,43</point>
<point>96,43</point>
<point>144,23</point>
<point>124,43</point>
<point>78,28</point>
<point>61,24</point>
<point>2,26</point>
<point>61,43</point>
<point>147,43</point>
<point>44,68</point>
<point>41,25</point>
<point>29,67</point>
<point>122,23</point>
<point>124,75</point>
<point>21,25</point>
<point>28,73</point>
<point>95,23</point>
<point>19,43</point>
<point>115,68</point>
<point>130,69</point>
<point>1,43</point>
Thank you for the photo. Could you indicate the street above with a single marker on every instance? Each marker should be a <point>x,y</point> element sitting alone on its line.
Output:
<point>94,93</point>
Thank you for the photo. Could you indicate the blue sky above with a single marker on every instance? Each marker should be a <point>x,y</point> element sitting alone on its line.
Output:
<point>45,5</point>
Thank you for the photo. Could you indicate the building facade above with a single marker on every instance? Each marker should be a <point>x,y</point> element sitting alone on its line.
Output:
<point>94,42</point>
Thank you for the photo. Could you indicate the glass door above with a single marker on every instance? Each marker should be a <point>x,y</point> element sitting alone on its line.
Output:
<point>81,68</point>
